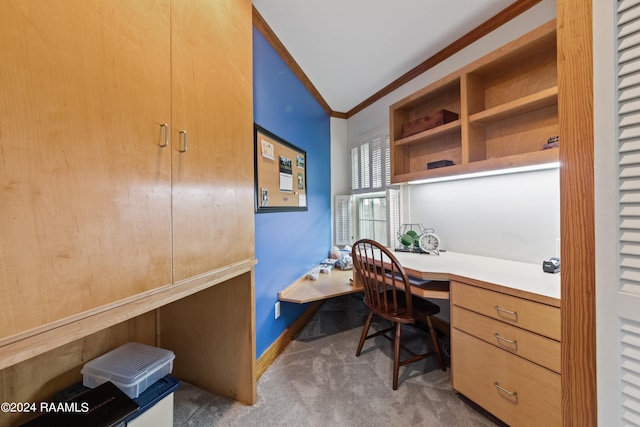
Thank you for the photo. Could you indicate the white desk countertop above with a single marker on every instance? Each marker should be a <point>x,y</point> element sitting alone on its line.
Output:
<point>520,276</point>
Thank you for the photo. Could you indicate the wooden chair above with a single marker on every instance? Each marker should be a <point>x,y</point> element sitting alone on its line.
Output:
<point>387,294</point>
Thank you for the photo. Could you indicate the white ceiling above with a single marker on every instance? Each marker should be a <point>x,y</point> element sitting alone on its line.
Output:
<point>350,49</point>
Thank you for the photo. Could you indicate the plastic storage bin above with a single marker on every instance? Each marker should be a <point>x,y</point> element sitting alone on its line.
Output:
<point>132,368</point>
<point>156,405</point>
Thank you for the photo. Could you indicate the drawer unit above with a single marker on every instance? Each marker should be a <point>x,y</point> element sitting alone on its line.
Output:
<point>515,390</point>
<point>533,316</point>
<point>505,354</point>
<point>536,348</point>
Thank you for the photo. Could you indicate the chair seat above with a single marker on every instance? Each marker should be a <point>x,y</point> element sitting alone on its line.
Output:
<point>421,307</point>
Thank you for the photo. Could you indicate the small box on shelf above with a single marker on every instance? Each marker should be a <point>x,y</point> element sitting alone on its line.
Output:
<point>552,143</point>
<point>439,164</point>
<point>427,122</point>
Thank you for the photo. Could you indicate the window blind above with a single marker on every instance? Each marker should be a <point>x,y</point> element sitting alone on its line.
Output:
<point>342,220</point>
<point>371,164</point>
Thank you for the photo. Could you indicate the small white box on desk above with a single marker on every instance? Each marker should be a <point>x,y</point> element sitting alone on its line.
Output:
<point>132,368</point>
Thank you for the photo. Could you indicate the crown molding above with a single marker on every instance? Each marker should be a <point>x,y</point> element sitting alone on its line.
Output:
<point>477,33</point>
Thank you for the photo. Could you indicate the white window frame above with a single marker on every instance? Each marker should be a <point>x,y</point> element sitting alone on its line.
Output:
<point>346,220</point>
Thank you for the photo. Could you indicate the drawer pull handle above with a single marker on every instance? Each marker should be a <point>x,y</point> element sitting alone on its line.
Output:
<point>164,128</point>
<point>505,339</point>
<point>509,312</point>
<point>504,390</point>
<point>183,133</point>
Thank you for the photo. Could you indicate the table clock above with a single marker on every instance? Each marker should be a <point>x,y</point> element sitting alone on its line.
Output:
<point>429,242</point>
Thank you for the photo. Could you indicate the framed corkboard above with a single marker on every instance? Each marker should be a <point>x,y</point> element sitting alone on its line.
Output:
<point>280,173</point>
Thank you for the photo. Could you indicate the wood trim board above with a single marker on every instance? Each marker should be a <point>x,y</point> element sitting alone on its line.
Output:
<point>577,216</point>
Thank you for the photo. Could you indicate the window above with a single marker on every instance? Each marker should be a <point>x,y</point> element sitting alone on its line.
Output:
<point>372,218</point>
<point>377,217</point>
<point>373,209</point>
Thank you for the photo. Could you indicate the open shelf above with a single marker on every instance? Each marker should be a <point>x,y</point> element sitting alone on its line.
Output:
<point>506,162</point>
<point>525,104</point>
<point>431,134</point>
<point>507,105</point>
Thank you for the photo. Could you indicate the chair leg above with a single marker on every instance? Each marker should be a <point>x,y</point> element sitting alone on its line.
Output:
<point>365,331</point>
<point>436,345</point>
<point>396,354</point>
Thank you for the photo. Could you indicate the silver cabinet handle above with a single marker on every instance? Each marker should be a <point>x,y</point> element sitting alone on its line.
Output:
<point>164,128</point>
<point>504,390</point>
<point>508,312</point>
<point>505,339</point>
<point>183,133</point>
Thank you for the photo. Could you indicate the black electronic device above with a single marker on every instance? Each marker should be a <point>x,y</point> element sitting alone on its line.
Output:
<point>552,265</point>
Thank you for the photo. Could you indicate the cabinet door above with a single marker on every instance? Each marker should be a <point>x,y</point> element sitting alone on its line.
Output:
<point>84,184</point>
<point>212,181</point>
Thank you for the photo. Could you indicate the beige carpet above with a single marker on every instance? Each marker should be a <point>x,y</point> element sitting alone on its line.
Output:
<point>318,381</point>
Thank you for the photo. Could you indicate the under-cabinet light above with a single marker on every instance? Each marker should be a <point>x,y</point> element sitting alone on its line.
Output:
<point>529,168</point>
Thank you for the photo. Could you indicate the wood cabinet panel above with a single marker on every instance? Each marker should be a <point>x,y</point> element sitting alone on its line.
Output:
<point>533,316</point>
<point>217,352</point>
<point>104,218</point>
<point>506,354</point>
<point>212,102</point>
<point>534,347</point>
<point>530,394</point>
<point>84,184</point>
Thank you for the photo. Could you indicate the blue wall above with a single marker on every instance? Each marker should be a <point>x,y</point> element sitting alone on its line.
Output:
<point>288,244</point>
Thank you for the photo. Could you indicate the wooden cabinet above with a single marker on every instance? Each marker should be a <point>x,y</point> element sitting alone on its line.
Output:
<point>127,174</point>
<point>212,107</point>
<point>85,187</point>
<point>507,107</point>
<point>506,354</point>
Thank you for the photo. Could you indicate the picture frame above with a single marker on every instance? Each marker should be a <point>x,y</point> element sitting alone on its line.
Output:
<point>280,173</point>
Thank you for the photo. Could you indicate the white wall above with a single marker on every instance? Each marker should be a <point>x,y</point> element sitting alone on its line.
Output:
<point>511,216</point>
<point>514,216</point>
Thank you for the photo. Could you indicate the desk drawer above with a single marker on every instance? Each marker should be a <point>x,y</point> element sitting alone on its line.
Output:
<point>530,395</point>
<point>533,316</point>
<point>536,348</point>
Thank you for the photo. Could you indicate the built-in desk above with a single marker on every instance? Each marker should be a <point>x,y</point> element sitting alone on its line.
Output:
<point>333,284</point>
<point>520,279</point>
<point>505,333</point>
<point>505,328</point>
<point>516,278</point>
